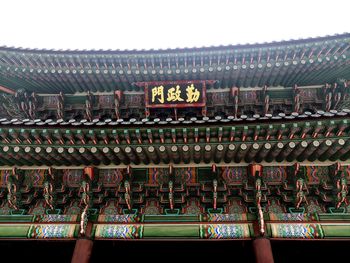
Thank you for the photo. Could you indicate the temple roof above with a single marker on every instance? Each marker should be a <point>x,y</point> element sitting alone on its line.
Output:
<point>310,61</point>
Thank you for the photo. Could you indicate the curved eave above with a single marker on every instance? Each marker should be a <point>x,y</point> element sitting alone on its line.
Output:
<point>302,62</point>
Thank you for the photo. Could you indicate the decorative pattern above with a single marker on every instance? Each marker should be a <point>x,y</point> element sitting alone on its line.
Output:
<point>185,175</point>
<point>35,178</point>
<point>119,231</point>
<point>275,207</point>
<point>316,174</point>
<point>236,207</point>
<point>56,218</point>
<point>292,217</point>
<point>72,178</point>
<point>223,217</point>
<point>111,208</point>
<point>52,231</point>
<point>274,174</point>
<point>135,101</point>
<point>5,209</point>
<point>128,218</point>
<point>306,231</point>
<point>224,231</point>
<point>158,176</point>
<point>152,208</point>
<point>313,207</point>
<point>234,175</point>
<point>110,177</point>
<point>308,94</point>
<point>106,101</point>
<point>182,175</point>
<point>193,208</point>
<point>39,208</point>
<point>74,209</point>
<point>218,98</point>
<point>50,101</point>
<point>247,97</point>
<point>4,174</point>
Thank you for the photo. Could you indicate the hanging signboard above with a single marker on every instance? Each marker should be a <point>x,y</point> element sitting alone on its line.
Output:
<point>174,94</point>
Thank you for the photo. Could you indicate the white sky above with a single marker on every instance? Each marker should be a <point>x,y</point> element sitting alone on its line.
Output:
<point>102,24</point>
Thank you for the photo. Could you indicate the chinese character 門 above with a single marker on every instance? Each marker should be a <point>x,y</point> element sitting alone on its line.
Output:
<point>158,92</point>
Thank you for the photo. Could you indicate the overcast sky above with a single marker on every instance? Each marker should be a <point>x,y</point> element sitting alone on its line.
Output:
<point>102,24</point>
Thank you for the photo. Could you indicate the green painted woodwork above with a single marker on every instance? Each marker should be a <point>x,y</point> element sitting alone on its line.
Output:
<point>170,218</point>
<point>334,217</point>
<point>16,218</point>
<point>14,230</point>
<point>336,230</point>
<point>171,231</point>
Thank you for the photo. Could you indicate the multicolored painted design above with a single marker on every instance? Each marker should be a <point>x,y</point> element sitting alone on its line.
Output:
<point>106,101</point>
<point>110,177</point>
<point>72,178</point>
<point>38,209</point>
<point>274,206</point>
<point>5,209</point>
<point>152,208</point>
<point>314,207</point>
<point>4,174</point>
<point>224,231</point>
<point>235,206</point>
<point>274,174</point>
<point>304,231</point>
<point>158,176</point>
<point>316,174</point>
<point>223,217</point>
<point>186,175</point>
<point>119,231</point>
<point>234,175</point>
<point>74,209</point>
<point>55,218</point>
<point>35,178</point>
<point>193,207</point>
<point>346,170</point>
<point>292,217</point>
<point>128,218</point>
<point>111,208</point>
<point>52,231</point>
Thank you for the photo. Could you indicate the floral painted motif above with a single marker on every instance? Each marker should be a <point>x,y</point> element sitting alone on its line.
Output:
<point>234,175</point>
<point>223,217</point>
<point>56,218</point>
<point>193,208</point>
<point>152,208</point>
<point>52,231</point>
<point>224,231</point>
<point>291,217</point>
<point>119,231</point>
<point>305,231</point>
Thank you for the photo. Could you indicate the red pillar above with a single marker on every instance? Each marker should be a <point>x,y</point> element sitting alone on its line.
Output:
<point>262,250</point>
<point>82,251</point>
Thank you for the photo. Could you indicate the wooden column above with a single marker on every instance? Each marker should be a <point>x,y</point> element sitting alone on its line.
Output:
<point>82,251</point>
<point>262,250</point>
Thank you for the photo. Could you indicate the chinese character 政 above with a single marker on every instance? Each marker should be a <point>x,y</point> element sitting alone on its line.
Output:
<point>174,95</point>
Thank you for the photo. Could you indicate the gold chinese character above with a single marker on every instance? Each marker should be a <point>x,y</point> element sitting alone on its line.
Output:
<point>174,95</point>
<point>192,94</point>
<point>158,92</point>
